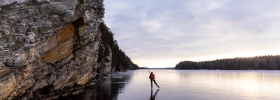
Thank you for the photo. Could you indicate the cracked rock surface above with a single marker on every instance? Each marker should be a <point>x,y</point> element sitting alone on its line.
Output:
<point>48,47</point>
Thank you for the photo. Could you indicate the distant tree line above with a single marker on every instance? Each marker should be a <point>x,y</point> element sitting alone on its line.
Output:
<point>120,61</point>
<point>268,62</point>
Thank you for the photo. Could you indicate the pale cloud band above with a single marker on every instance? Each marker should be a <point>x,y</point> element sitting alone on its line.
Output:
<point>160,33</point>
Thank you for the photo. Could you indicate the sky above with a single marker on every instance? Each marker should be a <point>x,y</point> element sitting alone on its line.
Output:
<point>161,33</point>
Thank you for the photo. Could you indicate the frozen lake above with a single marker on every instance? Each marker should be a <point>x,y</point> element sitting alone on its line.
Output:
<point>186,85</point>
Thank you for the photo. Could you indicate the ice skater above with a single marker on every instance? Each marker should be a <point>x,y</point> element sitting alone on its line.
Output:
<point>152,78</point>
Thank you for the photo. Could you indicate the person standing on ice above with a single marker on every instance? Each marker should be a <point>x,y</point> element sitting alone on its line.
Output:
<point>152,78</point>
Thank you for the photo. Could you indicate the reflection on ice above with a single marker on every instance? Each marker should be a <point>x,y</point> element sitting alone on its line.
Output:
<point>106,89</point>
<point>186,84</point>
<point>153,97</point>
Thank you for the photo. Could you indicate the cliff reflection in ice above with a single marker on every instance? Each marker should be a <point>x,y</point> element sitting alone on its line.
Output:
<point>106,89</point>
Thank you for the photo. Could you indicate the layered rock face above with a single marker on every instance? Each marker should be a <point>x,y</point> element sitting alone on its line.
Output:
<point>48,47</point>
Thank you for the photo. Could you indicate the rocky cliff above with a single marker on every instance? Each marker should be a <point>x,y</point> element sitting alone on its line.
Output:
<point>50,47</point>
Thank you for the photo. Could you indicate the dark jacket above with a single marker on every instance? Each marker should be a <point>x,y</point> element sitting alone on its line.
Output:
<point>152,76</point>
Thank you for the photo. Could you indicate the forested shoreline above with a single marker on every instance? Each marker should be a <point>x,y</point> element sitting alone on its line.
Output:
<point>267,62</point>
<point>120,61</point>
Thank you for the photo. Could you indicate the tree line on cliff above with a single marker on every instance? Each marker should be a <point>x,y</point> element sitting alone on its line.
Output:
<point>120,61</point>
<point>268,62</point>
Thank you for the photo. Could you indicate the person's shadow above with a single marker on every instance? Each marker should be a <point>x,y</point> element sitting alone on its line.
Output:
<point>153,97</point>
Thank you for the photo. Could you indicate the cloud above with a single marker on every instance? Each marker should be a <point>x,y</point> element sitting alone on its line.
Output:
<point>178,29</point>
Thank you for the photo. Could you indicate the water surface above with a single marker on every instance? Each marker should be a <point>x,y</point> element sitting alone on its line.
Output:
<point>187,85</point>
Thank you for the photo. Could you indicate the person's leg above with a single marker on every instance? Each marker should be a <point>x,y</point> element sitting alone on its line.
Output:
<point>156,83</point>
<point>151,83</point>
